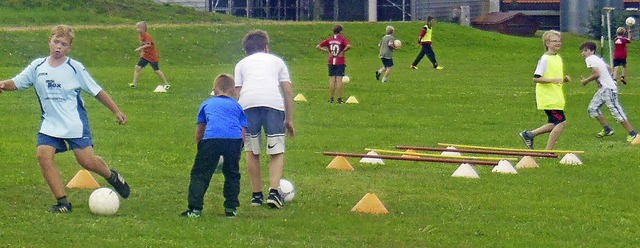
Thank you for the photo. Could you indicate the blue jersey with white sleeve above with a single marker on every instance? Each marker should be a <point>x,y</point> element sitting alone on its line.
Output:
<point>58,90</point>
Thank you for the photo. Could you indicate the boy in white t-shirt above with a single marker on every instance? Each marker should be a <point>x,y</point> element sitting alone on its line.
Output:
<point>58,81</point>
<point>264,91</point>
<point>607,93</point>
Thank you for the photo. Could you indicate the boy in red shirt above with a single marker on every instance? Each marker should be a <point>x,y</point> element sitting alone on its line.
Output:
<point>620,53</point>
<point>149,55</point>
<point>335,45</point>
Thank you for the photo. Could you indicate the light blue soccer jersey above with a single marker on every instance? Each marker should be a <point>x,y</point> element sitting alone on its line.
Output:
<point>58,90</point>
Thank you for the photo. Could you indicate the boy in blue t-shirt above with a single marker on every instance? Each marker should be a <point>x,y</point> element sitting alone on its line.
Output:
<point>221,128</point>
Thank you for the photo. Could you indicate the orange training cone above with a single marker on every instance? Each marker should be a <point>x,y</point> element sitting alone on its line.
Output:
<point>83,180</point>
<point>340,163</point>
<point>370,204</point>
<point>636,141</point>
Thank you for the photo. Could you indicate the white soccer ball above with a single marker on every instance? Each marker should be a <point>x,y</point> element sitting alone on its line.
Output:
<point>286,190</point>
<point>345,79</point>
<point>397,44</point>
<point>104,201</point>
<point>630,21</point>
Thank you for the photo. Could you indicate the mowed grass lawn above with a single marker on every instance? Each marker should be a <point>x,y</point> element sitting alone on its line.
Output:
<point>484,96</point>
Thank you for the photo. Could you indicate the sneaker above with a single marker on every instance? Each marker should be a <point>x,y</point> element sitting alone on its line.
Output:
<point>630,138</point>
<point>256,200</point>
<point>340,101</point>
<point>119,184</point>
<point>604,133</point>
<point>61,208</point>
<point>330,100</point>
<point>377,75</point>
<point>525,138</point>
<point>413,67</point>
<point>439,67</point>
<point>191,213</point>
<point>166,87</point>
<point>230,212</point>
<point>622,80</point>
<point>133,86</point>
<point>274,200</point>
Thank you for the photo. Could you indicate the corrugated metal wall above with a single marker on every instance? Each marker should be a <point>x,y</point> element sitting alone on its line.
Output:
<point>441,9</point>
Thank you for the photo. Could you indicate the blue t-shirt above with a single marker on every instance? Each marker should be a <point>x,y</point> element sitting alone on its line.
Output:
<point>223,118</point>
<point>58,89</point>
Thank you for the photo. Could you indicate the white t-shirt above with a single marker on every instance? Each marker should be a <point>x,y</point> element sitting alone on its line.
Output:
<point>260,75</point>
<point>58,89</point>
<point>605,79</point>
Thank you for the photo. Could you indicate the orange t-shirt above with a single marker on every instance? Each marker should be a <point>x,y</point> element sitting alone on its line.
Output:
<point>150,53</point>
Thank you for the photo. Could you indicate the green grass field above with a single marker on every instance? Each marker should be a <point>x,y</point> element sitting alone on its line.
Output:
<point>484,96</point>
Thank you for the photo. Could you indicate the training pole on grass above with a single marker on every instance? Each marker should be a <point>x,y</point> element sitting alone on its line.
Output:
<point>440,156</point>
<point>508,149</point>
<point>438,160</point>
<point>509,153</point>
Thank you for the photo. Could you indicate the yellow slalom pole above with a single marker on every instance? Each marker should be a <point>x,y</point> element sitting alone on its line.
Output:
<point>440,156</point>
<point>507,149</point>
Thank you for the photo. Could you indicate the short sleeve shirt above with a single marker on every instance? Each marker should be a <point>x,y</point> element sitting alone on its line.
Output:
<point>223,118</point>
<point>620,47</point>
<point>260,75</point>
<point>385,50</point>
<point>149,53</point>
<point>336,45</point>
<point>605,80</point>
<point>58,90</point>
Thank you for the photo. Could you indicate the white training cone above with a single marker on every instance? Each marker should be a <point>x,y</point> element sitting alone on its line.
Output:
<point>504,166</point>
<point>213,93</point>
<point>570,159</point>
<point>160,89</point>
<point>527,162</point>
<point>465,170</point>
<point>450,153</point>
<point>367,160</point>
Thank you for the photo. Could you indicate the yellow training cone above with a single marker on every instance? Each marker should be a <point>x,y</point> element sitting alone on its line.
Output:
<point>370,204</point>
<point>340,163</point>
<point>83,180</point>
<point>409,155</point>
<point>300,98</point>
<point>352,99</point>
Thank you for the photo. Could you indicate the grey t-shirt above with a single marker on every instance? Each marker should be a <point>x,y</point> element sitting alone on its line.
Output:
<point>385,50</point>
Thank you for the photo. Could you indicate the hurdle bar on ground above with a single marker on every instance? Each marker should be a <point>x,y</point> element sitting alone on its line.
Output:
<point>440,160</point>
<point>510,153</point>
<point>440,156</point>
<point>507,149</point>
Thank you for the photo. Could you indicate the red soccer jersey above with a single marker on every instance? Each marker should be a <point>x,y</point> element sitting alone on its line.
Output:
<point>336,45</point>
<point>620,50</point>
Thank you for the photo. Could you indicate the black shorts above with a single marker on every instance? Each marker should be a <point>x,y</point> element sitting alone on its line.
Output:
<point>388,63</point>
<point>555,116</point>
<point>336,70</point>
<point>619,62</point>
<point>143,62</point>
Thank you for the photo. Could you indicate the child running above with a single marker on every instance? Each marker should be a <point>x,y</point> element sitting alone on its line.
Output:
<point>549,78</point>
<point>607,93</point>
<point>148,55</point>
<point>620,53</point>
<point>386,54</point>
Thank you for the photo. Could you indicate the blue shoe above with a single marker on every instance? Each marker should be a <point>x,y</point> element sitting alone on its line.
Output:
<point>275,200</point>
<point>256,199</point>
<point>525,138</point>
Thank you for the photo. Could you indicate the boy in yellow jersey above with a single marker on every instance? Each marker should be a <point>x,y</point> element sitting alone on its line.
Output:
<point>549,78</point>
<point>425,41</point>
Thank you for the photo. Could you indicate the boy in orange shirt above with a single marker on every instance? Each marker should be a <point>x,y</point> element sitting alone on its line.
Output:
<point>149,55</point>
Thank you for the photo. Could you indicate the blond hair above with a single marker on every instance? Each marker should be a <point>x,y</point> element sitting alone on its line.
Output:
<point>621,31</point>
<point>63,31</point>
<point>390,29</point>
<point>547,37</point>
<point>142,24</point>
